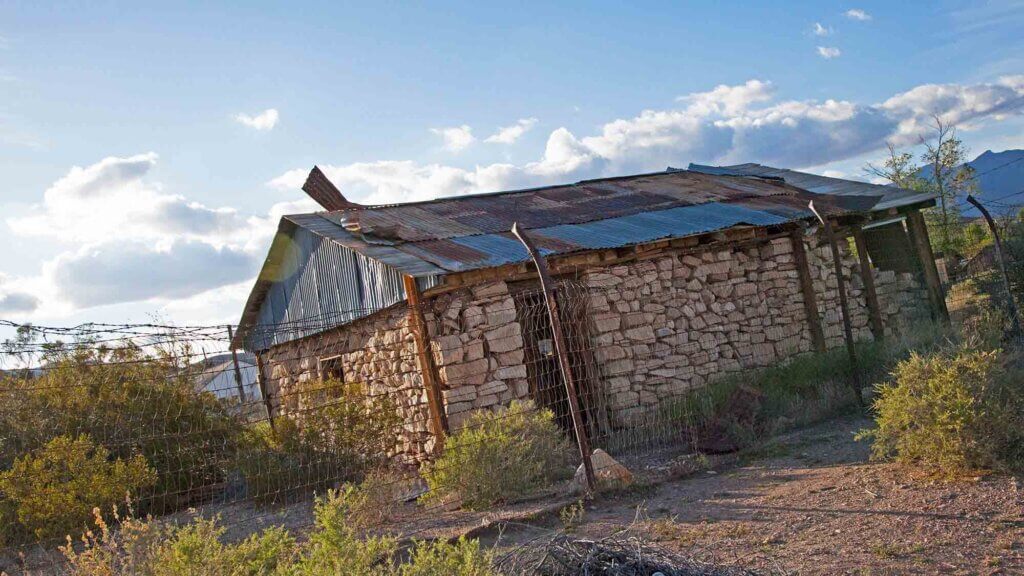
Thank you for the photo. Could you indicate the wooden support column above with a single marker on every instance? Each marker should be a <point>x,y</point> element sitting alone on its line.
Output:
<point>919,235</point>
<point>837,261</point>
<point>807,289</point>
<point>867,274</point>
<point>425,360</point>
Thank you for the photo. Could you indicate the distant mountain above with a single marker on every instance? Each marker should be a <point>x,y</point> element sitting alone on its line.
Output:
<point>1000,179</point>
<point>1000,174</point>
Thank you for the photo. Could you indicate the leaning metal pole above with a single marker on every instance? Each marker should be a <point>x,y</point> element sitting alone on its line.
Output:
<point>562,353</point>
<point>843,304</point>
<point>1010,304</point>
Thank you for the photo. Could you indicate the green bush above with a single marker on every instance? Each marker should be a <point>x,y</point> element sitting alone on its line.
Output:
<point>53,490</point>
<point>197,550</point>
<point>499,457</point>
<point>130,402</point>
<point>334,546</point>
<point>957,411</point>
<point>461,558</point>
<point>338,434</point>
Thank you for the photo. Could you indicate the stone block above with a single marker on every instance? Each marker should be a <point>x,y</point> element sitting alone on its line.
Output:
<point>459,394</point>
<point>504,339</point>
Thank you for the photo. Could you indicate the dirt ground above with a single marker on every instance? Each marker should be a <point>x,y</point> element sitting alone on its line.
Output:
<point>811,503</point>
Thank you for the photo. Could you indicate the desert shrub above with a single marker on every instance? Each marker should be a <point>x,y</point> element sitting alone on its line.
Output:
<point>460,558</point>
<point>196,549</point>
<point>337,435</point>
<point>103,551</point>
<point>131,403</point>
<point>956,411</point>
<point>335,546</point>
<point>373,501</point>
<point>53,490</point>
<point>499,457</point>
<point>986,327</point>
<point>148,548</point>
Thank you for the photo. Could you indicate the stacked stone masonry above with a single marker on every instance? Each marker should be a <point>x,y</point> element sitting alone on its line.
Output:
<point>657,328</point>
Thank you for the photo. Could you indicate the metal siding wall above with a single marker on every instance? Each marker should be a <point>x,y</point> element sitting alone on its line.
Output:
<point>329,285</point>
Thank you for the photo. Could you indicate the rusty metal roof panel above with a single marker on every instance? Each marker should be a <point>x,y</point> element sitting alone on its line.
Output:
<point>328,268</point>
<point>892,197</point>
<point>650,226</point>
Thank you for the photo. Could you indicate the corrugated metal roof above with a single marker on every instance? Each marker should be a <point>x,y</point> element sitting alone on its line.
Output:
<point>892,197</point>
<point>326,269</point>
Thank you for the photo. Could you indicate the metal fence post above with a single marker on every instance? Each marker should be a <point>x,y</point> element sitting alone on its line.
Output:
<point>234,360</point>
<point>1010,303</point>
<point>562,353</point>
<point>843,304</point>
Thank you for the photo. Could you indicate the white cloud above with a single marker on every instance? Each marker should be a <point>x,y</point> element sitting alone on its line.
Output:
<point>829,52</point>
<point>124,239</point>
<point>115,196</point>
<point>265,120</point>
<point>18,303</point>
<point>728,124</point>
<point>954,103</point>
<point>456,138</point>
<point>115,273</point>
<point>819,30</point>
<point>509,134</point>
<point>857,14</point>
<point>13,301</point>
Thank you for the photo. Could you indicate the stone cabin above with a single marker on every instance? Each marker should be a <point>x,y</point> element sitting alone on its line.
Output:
<point>666,281</point>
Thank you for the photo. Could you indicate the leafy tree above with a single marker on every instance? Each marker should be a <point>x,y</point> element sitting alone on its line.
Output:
<point>951,179</point>
<point>945,174</point>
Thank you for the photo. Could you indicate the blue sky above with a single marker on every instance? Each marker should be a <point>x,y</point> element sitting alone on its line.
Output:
<point>182,170</point>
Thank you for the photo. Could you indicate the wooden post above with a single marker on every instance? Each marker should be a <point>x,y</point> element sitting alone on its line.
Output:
<point>561,352</point>
<point>807,288</point>
<point>837,261</point>
<point>238,372</point>
<point>425,359</point>
<point>867,274</point>
<point>919,235</point>
<point>1011,305</point>
<point>261,380</point>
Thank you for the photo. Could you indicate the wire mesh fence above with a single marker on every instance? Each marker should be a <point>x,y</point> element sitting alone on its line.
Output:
<point>673,351</point>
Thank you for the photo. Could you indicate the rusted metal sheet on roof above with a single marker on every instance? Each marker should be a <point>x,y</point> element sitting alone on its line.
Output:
<point>488,250</point>
<point>326,269</point>
<point>576,204</point>
<point>891,196</point>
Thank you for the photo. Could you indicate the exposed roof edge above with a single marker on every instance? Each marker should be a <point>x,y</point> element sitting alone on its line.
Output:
<point>892,196</point>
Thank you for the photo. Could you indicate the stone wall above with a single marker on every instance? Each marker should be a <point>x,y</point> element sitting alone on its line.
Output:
<point>476,343</point>
<point>478,347</point>
<point>657,328</point>
<point>378,352</point>
<point>667,325</point>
